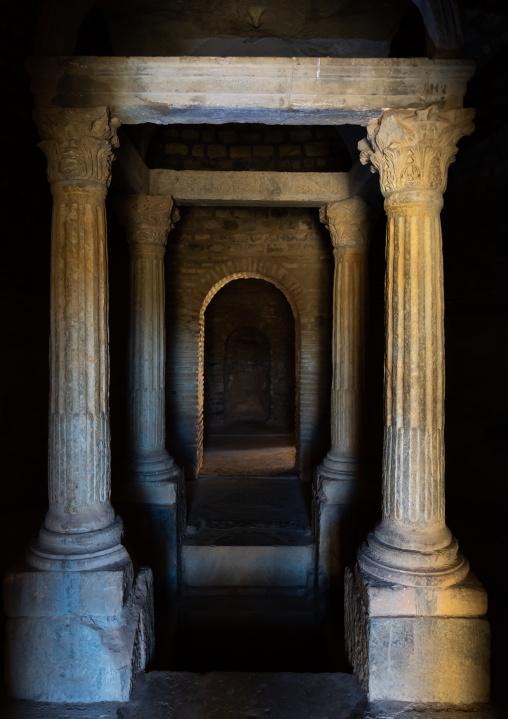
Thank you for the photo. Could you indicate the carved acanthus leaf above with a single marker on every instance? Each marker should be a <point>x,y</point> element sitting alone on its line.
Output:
<point>78,142</point>
<point>347,222</point>
<point>147,219</point>
<point>413,149</point>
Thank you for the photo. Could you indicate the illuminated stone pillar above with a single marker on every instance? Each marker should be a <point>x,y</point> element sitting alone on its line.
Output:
<point>339,475</point>
<point>80,610</point>
<point>414,630</point>
<point>147,220</point>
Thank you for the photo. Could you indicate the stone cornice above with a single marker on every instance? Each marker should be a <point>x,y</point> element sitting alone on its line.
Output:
<point>147,219</point>
<point>413,149</point>
<point>347,222</point>
<point>78,143</point>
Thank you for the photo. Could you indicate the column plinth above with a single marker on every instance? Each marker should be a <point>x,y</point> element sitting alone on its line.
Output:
<point>412,603</point>
<point>147,220</point>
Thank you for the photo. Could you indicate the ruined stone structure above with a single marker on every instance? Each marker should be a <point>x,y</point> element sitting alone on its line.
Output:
<point>244,215</point>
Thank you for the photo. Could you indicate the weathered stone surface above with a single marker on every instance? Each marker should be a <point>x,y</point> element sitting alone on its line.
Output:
<point>426,657</point>
<point>244,567</point>
<point>87,658</point>
<point>285,189</point>
<point>230,89</point>
<point>53,594</point>
<point>161,695</point>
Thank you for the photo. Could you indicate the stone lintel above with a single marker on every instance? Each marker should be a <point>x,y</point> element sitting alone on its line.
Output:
<point>285,189</point>
<point>239,89</point>
<point>383,599</point>
<point>33,593</point>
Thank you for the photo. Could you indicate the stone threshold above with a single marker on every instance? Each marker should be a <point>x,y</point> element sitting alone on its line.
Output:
<point>243,695</point>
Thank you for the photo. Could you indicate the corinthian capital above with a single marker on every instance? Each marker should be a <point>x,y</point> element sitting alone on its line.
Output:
<point>413,149</point>
<point>147,219</point>
<point>347,222</point>
<point>78,143</point>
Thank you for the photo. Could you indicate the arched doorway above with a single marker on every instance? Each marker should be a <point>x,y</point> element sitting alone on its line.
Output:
<point>249,381</point>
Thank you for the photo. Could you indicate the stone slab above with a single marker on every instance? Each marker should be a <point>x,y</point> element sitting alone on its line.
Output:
<point>417,658</point>
<point>270,189</point>
<point>300,90</point>
<point>81,659</point>
<point>245,567</point>
<point>33,593</point>
<point>245,695</point>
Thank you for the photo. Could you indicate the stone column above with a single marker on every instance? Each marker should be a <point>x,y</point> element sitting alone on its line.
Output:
<point>79,623</point>
<point>80,530</point>
<point>338,477</point>
<point>147,220</point>
<point>347,222</point>
<point>152,497</point>
<point>410,572</point>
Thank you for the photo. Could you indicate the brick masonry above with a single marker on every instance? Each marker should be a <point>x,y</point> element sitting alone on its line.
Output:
<point>208,248</point>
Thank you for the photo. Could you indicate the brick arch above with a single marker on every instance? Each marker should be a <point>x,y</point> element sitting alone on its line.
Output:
<point>293,302</point>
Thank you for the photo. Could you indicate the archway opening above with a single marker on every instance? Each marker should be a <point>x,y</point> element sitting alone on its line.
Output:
<point>249,382</point>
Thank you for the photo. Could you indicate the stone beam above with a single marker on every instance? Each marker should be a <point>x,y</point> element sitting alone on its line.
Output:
<point>290,189</point>
<point>289,91</point>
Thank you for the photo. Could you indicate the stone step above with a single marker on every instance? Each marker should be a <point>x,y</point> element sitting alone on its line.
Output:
<point>245,695</point>
<point>248,568</point>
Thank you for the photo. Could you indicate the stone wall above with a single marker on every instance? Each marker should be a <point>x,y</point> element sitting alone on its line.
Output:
<point>208,248</point>
<point>249,147</point>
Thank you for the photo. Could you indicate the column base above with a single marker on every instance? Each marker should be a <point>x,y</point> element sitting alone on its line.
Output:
<point>77,551</point>
<point>77,636</point>
<point>156,466</point>
<point>418,644</point>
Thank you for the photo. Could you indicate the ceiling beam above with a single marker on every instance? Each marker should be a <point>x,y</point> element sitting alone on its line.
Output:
<point>302,90</point>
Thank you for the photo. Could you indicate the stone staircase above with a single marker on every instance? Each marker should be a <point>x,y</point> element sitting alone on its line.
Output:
<point>248,577</point>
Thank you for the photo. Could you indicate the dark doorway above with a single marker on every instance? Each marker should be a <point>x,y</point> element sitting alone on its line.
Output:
<point>249,381</point>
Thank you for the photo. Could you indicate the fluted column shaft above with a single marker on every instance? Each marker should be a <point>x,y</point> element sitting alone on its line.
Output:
<point>412,151</point>
<point>348,227</point>
<point>79,148</point>
<point>148,220</point>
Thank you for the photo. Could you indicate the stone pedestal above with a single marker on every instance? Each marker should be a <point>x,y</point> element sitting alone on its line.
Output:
<point>416,642</point>
<point>340,478</point>
<point>56,612</point>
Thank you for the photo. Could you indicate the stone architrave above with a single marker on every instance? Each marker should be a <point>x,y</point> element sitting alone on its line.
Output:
<point>339,474</point>
<point>147,220</point>
<point>80,567</point>
<point>412,605</point>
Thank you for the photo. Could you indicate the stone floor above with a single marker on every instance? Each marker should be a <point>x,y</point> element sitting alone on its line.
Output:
<point>241,695</point>
<point>249,450</point>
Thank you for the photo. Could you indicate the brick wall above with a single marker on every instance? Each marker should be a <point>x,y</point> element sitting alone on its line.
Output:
<point>287,247</point>
<point>249,147</point>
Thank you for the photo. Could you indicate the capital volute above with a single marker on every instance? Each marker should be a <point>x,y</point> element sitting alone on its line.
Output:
<point>147,219</point>
<point>413,149</point>
<point>78,143</point>
<point>347,222</point>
